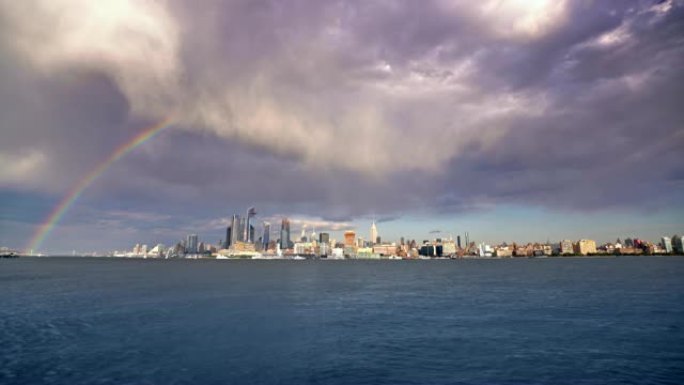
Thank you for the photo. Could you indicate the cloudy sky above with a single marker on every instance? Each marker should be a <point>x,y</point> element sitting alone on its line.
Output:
<point>513,120</point>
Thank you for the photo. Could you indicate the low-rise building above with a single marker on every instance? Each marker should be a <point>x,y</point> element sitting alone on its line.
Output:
<point>337,253</point>
<point>484,250</point>
<point>303,248</point>
<point>503,251</point>
<point>585,247</point>
<point>349,251</point>
<point>566,247</point>
<point>242,246</point>
<point>385,249</point>
<point>677,245</point>
<point>365,253</point>
<point>449,248</point>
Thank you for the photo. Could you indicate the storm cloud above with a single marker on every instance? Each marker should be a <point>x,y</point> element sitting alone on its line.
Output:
<point>335,110</point>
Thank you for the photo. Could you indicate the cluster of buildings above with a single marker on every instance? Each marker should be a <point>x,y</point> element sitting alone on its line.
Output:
<point>242,241</point>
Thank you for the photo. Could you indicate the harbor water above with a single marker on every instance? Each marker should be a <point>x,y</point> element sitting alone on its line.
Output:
<point>527,321</point>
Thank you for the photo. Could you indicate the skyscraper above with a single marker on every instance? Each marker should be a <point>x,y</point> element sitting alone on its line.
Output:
<point>251,212</point>
<point>324,238</point>
<point>458,241</point>
<point>266,236</point>
<point>677,245</point>
<point>666,242</point>
<point>242,235</point>
<point>285,234</point>
<point>192,244</point>
<point>373,233</point>
<point>235,229</point>
<point>228,240</point>
<point>303,238</point>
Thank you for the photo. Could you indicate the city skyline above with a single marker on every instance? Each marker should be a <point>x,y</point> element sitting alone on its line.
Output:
<point>352,246</point>
<point>508,120</point>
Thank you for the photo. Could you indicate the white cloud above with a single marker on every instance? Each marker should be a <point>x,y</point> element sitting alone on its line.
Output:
<point>134,41</point>
<point>21,168</point>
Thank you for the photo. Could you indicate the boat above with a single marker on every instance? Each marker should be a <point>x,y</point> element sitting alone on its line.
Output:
<point>6,252</point>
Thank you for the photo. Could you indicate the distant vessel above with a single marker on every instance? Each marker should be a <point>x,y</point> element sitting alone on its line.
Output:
<point>267,256</point>
<point>6,252</point>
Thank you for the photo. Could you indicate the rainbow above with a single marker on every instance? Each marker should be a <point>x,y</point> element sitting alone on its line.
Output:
<point>58,212</point>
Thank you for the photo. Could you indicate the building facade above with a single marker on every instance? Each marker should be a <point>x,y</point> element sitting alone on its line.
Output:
<point>566,247</point>
<point>285,234</point>
<point>192,244</point>
<point>666,243</point>
<point>585,247</point>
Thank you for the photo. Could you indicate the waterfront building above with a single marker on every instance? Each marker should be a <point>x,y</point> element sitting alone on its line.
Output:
<point>504,251</point>
<point>337,253</point>
<point>349,251</point>
<point>585,247</point>
<point>677,245</point>
<point>484,250</point>
<point>249,229</point>
<point>285,234</point>
<point>373,233</point>
<point>365,253</point>
<point>566,247</point>
<point>312,238</point>
<point>666,244</point>
<point>323,238</point>
<point>385,250</point>
<point>235,230</point>
<point>449,248</point>
<point>458,241</point>
<point>266,236</point>
<point>227,242</point>
<point>242,237</point>
<point>191,244</point>
<point>524,250</point>
<point>157,251</point>
<point>349,238</point>
<point>303,248</point>
<point>302,237</point>
<point>324,249</point>
<point>429,250</point>
<point>240,246</point>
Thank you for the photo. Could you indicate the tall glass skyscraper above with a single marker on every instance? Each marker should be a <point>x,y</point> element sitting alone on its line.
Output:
<point>191,245</point>
<point>285,234</point>
<point>266,237</point>
<point>248,236</point>
<point>235,229</point>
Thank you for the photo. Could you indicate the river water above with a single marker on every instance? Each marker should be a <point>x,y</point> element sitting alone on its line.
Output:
<point>527,321</point>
